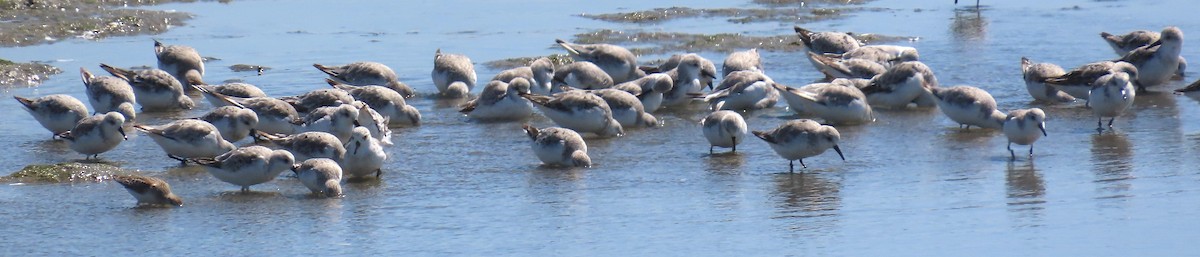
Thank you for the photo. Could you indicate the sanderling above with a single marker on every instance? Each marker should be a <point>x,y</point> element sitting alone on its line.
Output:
<point>887,55</point>
<point>834,103</point>
<point>650,89</point>
<point>96,134</point>
<point>309,145</point>
<point>539,73</point>
<point>748,60</point>
<point>558,146</point>
<point>56,113</point>
<point>968,105</point>
<point>236,89</point>
<point>798,139</point>
<point>902,84</point>
<point>619,63</point>
<point>247,166</point>
<point>453,74</point>
<point>708,70</point>
<point>374,123</point>
<point>109,94</point>
<point>825,42</point>
<point>274,115</point>
<point>1123,44</point>
<point>318,98</point>
<point>744,91</point>
<point>1157,62</point>
<point>1110,97</point>
<point>337,120</point>
<point>626,108</point>
<point>234,123</point>
<point>366,74</point>
<point>188,138</point>
<point>364,156</point>
<point>182,62</point>
<point>1020,127</point>
<point>724,128</point>
<point>579,111</point>
<point>687,77</point>
<point>582,75</point>
<point>322,176</point>
<point>148,191</point>
<point>1078,82</point>
<point>846,68</point>
<point>501,101</point>
<point>155,89</point>
<point>1035,75</point>
<point>387,102</point>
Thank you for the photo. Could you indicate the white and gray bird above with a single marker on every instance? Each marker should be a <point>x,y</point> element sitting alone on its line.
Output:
<point>798,139</point>
<point>902,84</point>
<point>96,134</point>
<point>309,145</point>
<point>387,102</point>
<point>582,75</point>
<point>649,89</point>
<point>626,108</point>
<point>748,60</point>
<point>744,91</point>
<point>56,113</point>
<point>619,63</point>
<point>274,116</point>
<point>234,123</point>
<point>846,68</point>
<point>1035,75</point>
<point>453,74</point>
<point>247,166</point>
<point>1024,127</point>
<point>326,97</point>
<point>580,111</point>
<point>501,101</point>
<point>1158,62</point>
<point>539,73</point>
<point>182,62</point>
<point>835,103</point>
<point>827,42</point>
<point>969,106</point>
<point>364,156</point>
<point>687,78</point>
<point>1078,82</point>
<point>724,129</point>
<point>337,120</point>
<point>556,146</point>
<point>708,70</point>
<point>155,90</point>
<point>149,191</point>
<point>366,74</point>
<point>322,176</point>
<point>1111,96</point>
<point>1123,44</point>
<point>188,138</point>
<point>109,94</point>
<point>374,122</point>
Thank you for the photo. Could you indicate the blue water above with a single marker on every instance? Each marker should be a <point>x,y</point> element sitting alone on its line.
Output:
<point>913,184</point>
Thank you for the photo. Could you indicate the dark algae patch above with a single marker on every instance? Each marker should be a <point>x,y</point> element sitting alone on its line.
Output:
<point>24,74</point>
<point>64,172</point>
<point>30,22</point>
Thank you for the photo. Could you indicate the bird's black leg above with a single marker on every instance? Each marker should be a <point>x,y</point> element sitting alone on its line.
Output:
<point>1010,152</point>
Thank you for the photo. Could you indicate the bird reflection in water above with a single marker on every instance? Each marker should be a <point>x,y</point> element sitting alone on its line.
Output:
<point>808,194</point>
<point>727,162</point>
<point>1026,194</point>
<point>1112,156</point>
<point>969,25</point>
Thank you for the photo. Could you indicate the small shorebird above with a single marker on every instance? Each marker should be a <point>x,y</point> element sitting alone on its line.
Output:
<point>56,113</point>
<point>501,101</point>
<point>312,100</point>
<point>387,102</point>
<point>905,83</point>
<point>366,74</point>
<point>846,68</point>
<point>748,60</point>
<point>247,166</point>
<point>1111,96</point>
<point>969,106</point>
<point>626,108</point>
<point>744,91</point>
<point>580,111</point>
<point>799,139</point>
<point>824,42</point>
<point>1078,82</point>
<point>155,90</point>
<point>109,94</point>
<point>539,73</point>
<point>188,138</point>
<point>582,75</point>
<point>274,115</point>
<point>708,70</point>
<point>1158,62</point>
<point>148,191</point>
<point>1035,75</point>
<point>649,89</point>
<point>558,146</point>
<point>182,62</point>
<point>309,145</point>
<point>321,175</point>
<point>234,123</point>
<point>833,102</point>
<point>364,156</point>
<point>337,120</point>
<point>96,134</point>
<point>688,80</point>
<point>724,129</point>
<point>1023,126</point>
<point>619,63</point>
<point>453,74</point>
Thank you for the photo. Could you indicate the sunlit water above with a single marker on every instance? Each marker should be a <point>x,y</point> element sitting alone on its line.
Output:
<point>912,183</point>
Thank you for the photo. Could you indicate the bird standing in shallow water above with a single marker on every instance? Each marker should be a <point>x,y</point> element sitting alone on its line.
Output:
<point>149,191</point>
<point>799,139</point>
<point>725,129</point>
<point>1020,126</point>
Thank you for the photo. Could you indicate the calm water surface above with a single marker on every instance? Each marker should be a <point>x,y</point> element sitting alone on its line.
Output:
<point>912,183</point>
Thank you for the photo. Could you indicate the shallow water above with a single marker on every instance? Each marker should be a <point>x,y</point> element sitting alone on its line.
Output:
<point>912,183</point>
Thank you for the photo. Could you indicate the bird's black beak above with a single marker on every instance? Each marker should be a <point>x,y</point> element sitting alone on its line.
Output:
<point>839,151</point>
<point>122,130</point>
<point>1042,127</point>
<point>357,144</point>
